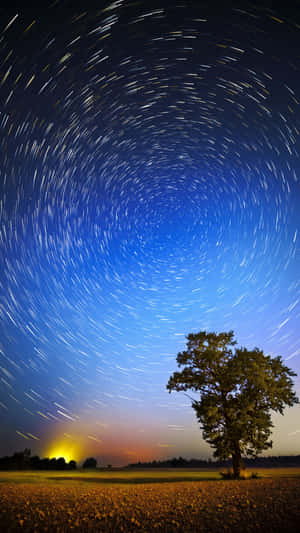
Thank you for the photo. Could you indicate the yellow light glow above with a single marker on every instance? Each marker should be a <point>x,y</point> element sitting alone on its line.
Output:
<point>59,452</point>
<point>66,449</point>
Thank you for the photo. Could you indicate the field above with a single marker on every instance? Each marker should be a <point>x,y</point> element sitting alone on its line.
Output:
<point>149,500</point>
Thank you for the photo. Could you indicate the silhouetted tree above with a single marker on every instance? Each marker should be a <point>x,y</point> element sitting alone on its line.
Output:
<point>35,462</point>
<point>53,463</point>
<point>45,463</point>
<point>72,465</point>
<point>61,463</point>
<point>238,390</point>
<point>90,462</point>
<point>21,460</point>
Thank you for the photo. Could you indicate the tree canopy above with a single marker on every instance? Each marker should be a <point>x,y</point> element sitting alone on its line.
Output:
<point>90,462</point>
<point>238,391</point>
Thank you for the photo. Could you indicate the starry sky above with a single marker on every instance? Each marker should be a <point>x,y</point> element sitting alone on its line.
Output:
<point>149,188</point>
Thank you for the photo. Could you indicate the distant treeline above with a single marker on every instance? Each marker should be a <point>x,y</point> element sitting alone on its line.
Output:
<point>180,462</point>
<point>24,461</point>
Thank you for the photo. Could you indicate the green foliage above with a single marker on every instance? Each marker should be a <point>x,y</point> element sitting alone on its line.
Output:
<point>244,474</point>
<point>238,390</point>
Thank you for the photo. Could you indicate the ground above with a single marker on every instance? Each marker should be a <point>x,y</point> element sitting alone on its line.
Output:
<point>149,500</point>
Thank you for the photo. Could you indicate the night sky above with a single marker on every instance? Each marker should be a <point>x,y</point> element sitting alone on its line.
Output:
<point>149,188</point>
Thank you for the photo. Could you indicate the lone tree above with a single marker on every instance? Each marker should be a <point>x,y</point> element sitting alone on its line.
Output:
<point>238,390</point>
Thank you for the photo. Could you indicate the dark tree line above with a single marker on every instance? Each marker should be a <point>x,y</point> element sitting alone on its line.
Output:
<point>180,462</point>
<point>24,461</point>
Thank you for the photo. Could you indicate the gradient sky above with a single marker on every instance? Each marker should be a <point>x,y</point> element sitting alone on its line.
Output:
<point>149,188</point>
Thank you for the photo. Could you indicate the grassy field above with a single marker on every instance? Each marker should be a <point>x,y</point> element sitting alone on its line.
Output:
<point>149,500</point>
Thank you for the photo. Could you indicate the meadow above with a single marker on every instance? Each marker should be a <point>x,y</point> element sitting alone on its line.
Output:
<point>149,500</point>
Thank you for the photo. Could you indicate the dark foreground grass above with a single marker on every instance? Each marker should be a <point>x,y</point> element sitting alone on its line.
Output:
<point>269,504</point>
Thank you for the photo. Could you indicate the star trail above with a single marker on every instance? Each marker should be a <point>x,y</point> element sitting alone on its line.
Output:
<point>149,188</point>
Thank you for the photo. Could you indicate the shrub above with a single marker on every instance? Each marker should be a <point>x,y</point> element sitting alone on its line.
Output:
<point>244,474</point>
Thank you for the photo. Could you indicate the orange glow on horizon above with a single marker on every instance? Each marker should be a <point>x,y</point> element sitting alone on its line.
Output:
<point>116,442</point>
<point>78,447</point>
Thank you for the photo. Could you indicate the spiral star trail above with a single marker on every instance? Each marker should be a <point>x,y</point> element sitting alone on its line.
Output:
<point>149,188</point>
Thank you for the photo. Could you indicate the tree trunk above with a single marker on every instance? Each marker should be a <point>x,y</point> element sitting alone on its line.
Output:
<point>236,461</point>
